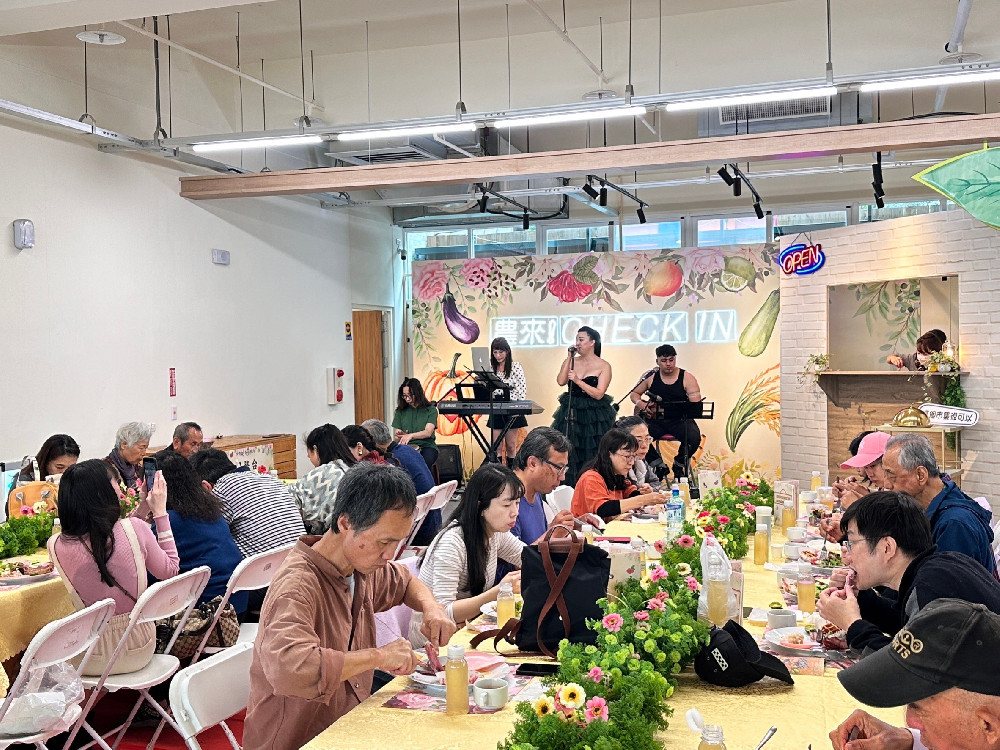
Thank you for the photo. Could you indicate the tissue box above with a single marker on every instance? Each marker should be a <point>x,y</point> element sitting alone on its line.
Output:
<point>626,563</point>
<point>709,480</point>
<point>785,489</point>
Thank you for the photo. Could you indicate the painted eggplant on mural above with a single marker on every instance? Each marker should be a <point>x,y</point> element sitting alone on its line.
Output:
<point>461,328</point>
<point>757,334</point>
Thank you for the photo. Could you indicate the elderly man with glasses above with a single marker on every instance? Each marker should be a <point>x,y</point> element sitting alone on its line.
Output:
<point>888,541</point>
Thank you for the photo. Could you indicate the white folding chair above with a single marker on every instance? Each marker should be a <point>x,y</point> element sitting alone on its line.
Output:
<point>561,497</point>
<point>161,600</point>
<point>424,503</point>
<point>394,623</point>
<point>198,703</point>
<point>59,641</point>
<point>443,494</point>
<point>255,572</point>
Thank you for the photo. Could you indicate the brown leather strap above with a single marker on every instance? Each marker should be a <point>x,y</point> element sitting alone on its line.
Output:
<point>556,583</point>
<point>506,633</point>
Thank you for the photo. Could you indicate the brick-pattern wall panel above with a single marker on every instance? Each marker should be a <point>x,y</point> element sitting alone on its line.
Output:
<point>950,242</point>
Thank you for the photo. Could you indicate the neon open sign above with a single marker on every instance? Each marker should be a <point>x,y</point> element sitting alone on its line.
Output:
<point>801,259</point>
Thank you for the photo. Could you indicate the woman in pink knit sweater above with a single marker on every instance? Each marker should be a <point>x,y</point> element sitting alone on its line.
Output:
<point>100,555</point>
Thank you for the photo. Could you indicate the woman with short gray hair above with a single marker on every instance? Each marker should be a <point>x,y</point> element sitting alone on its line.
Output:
<point>131,442</point>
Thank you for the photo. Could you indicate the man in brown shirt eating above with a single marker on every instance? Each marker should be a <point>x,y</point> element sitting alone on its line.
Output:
<point>315,650</point>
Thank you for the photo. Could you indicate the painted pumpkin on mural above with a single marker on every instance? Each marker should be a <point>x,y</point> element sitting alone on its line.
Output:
<point>436,385</point>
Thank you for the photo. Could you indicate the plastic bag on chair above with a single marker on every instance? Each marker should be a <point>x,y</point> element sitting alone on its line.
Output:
<point>716,574</point>
<point>43,702</point>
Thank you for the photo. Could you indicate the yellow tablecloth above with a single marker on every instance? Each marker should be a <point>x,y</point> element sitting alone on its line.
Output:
<point>804,712</point>
<point>25,610</point>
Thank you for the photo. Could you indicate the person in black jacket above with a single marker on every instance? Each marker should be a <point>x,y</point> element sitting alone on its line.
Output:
<point>889,539</point>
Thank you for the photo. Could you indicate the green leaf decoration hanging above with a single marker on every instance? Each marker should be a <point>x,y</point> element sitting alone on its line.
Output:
<point>971,180</point>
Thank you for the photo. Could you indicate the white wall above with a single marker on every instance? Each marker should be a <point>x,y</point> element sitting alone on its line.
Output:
<point>120,287</point>
<point>949,243</point>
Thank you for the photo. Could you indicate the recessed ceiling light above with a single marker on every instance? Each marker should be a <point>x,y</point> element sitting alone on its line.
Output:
<point>100,36</point>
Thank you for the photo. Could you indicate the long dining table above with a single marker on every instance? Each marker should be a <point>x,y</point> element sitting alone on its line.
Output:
<point>804,713</point>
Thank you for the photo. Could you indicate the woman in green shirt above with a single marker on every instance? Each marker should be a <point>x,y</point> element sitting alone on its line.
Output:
<point>415,420</point>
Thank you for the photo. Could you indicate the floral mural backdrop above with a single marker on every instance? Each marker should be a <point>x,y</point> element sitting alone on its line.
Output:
<point>718,306</point>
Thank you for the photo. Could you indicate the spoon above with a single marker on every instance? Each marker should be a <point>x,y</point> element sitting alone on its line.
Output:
<point>767,736</point>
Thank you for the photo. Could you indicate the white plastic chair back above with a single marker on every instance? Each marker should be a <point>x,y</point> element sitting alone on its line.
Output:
<point>443,494</point>
<point>198,703</point>
<point>394,623</point>
<point>424,503</point>
<point>561,497</point>
<point>59,641</point>
<point>255,572</point>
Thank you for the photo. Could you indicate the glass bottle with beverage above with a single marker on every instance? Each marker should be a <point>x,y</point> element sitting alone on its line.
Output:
<point>505,603</point>
<point>456,681</point>
<point>588,533</point>
<point>817,481</point>
<point>686,492</point>
<point>712,738</point>
<point>760,544</point>
<point>718,589</point>
<point>805,588</point>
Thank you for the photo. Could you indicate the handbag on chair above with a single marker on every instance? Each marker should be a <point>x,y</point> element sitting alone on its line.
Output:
<point>562,577</point>
<point>225,633</point>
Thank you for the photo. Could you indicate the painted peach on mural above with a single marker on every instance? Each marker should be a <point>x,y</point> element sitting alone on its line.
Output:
<point>663,280</point>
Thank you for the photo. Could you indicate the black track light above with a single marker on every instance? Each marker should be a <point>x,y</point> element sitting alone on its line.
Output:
<point>588,188</point>
<point>603,196</point>
<point>879,202</point>
<point>737,187</point>
<point>758,210</point>
<point>877,187</point>
<point>482,203</point>
<point>877,171</point>
<point>524,221</point>
<point>641,214</point>
<point>726,177</point>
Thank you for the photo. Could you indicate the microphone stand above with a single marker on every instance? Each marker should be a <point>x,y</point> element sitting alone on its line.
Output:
<point>629,391</point>
<point>570,417</point>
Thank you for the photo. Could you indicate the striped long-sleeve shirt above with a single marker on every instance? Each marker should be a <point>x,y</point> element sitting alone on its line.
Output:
<point>260,511</point>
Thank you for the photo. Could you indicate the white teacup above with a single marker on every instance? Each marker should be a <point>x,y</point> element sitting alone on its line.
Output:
<point>795,534</point>
<point>780,618</point>
<point>490,692</point>
<point>792,549</point>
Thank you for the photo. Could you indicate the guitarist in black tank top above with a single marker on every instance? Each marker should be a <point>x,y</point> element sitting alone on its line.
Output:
<point>670,383</point>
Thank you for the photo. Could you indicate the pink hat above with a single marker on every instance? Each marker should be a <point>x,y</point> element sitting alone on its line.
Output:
<point>871,449</point>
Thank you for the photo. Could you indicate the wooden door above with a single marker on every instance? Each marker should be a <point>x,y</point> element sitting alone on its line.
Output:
<point>369,393</point>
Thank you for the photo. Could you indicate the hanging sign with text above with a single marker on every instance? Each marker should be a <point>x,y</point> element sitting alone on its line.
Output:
<point>950,416</point>
<point>801,259</point>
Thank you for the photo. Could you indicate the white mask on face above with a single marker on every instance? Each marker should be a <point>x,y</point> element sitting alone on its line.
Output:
<point>923,358</point>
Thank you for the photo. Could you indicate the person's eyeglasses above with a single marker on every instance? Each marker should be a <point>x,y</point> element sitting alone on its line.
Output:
<point>630,457</point>
<point>557,467</point>
<point>645,440</point>
<point>848,544</point>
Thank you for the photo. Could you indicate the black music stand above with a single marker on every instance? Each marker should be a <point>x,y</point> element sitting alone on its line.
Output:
<point>684,410</point>
<point>485,387</point>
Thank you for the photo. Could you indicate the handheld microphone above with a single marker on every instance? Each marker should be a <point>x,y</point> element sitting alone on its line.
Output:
<point>572,351</point>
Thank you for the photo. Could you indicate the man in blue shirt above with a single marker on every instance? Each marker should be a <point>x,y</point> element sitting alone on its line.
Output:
<point>540,464</point>
<point>958,523</point>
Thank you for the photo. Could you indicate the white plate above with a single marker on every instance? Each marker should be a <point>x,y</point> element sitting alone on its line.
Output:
<point>434,684</point>
<point>24,580</point>
<point>776,636</point>
<point>489,609</point>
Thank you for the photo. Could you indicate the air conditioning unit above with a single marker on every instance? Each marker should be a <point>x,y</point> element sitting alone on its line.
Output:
<point>843,109</point>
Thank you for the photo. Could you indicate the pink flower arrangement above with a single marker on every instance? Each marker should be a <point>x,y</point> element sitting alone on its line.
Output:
<point>641,614</point>
<point>566,288</point>
<point>686,540</point>
<point>596,674</point>
<point>703,514</point>
<point>660,546</point>
<point>692,583</point>
<point>749,508</point>
<point>723,519</point>
<point>656,604</point>
<point>27,510</point>
<point>478,271</point>
<point>709,528</point>
<point>658,574</point>
<point>661,595</point>
<point>613,622</point>
<point>597,708</point>
<point>741,482</point>
<point>745,493</point>
<point>430,281</point>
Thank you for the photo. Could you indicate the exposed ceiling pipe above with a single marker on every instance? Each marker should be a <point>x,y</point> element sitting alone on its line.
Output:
<point>565,37</point>
<point>217,64</point>
<point>954,46</point>
<point>453,147</point>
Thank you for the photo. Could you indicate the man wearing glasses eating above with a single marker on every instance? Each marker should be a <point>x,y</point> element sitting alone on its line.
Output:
<point>888,542</point>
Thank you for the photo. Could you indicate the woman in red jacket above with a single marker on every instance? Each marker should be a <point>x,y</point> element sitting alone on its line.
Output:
<point>603,488</point>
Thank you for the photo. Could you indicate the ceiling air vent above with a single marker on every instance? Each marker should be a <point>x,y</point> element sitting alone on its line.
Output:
<point>773,111</point>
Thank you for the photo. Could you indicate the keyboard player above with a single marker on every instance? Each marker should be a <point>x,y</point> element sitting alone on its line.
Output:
<point>511,373</point>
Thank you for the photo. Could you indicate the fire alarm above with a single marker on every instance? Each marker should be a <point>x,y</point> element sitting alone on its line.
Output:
<point>24,234</point>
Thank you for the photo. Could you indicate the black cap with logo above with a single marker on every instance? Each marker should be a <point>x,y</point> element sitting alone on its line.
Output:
<point>733,659</point>
<point>949,643</point>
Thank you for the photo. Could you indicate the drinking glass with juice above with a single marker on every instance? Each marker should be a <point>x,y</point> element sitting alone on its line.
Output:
<point>806,589</point>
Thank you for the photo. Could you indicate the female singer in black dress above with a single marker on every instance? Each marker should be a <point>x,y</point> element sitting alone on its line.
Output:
<point>592,413</point>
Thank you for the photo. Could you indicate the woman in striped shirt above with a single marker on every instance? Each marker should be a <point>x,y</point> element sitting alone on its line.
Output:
<point>461,562</point>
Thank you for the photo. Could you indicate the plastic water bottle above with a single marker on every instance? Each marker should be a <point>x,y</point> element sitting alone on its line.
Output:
<point>686,491</point>
<point>675,512</point>
<point>817,481</point>
<point>505,603</point>
<point>717,576</point>
<point>456,680</point>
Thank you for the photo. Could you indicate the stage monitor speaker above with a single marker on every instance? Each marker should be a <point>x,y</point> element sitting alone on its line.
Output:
<point>449,463</point>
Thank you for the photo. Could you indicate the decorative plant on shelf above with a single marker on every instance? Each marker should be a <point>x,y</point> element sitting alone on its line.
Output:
<point>815,364</point>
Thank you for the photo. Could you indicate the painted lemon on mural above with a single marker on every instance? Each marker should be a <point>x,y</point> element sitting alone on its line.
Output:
<point>663,280</point>
<point>736,274</point>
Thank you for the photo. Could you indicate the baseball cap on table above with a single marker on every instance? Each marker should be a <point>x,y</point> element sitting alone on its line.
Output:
<point>949,643</point>
<point>733,659</point>
<point>871,449</point>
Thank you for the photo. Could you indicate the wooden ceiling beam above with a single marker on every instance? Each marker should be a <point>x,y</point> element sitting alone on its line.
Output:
<point>792,144</point>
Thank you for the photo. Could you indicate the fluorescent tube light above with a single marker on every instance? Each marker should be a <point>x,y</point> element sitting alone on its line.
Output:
<point>923,81</point>
<point>816,92</point>
<point>561,117</point>
<point>374,135</point>
<point>288,140</point>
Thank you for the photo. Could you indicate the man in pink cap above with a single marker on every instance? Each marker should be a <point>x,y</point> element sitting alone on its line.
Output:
<point>867,457</point>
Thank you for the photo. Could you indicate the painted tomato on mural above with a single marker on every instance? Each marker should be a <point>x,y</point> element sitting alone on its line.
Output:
<point>566,288</point>
<point>436,385</point>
